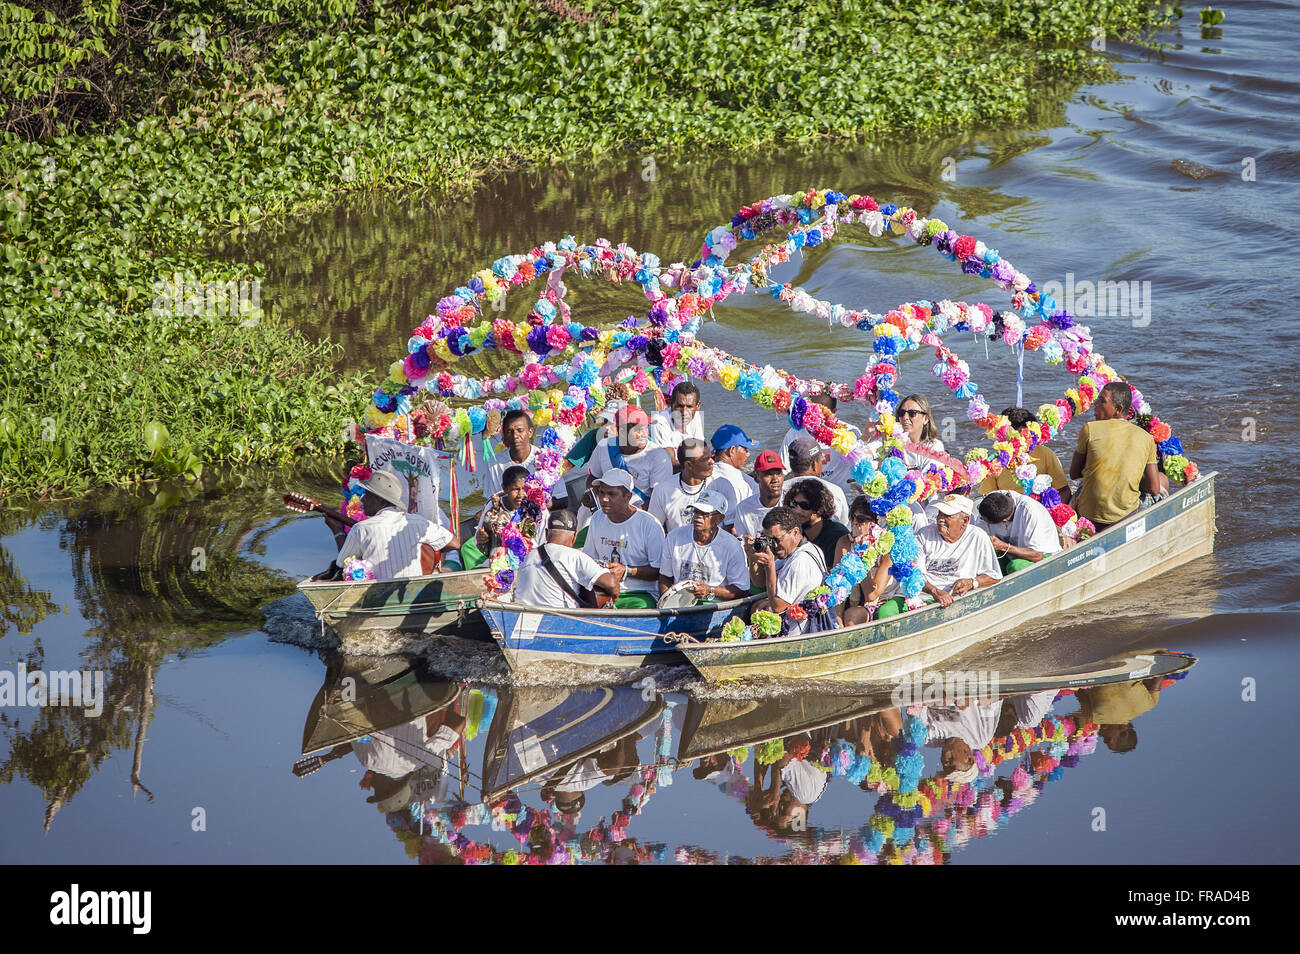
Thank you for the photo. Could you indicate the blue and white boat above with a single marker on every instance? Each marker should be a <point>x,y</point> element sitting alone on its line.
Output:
<point>619,638</point>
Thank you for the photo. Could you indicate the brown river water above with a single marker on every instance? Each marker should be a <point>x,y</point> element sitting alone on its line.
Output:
<point>1181,177</point>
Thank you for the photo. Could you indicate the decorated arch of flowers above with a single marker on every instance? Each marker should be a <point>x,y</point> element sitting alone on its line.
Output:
<point>566,368</point>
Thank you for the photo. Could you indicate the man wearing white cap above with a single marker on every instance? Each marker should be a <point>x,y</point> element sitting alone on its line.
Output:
<point>958,557</point>
<point>389,540</point>
<point>672,499</point>
<point>713,561</point>
<point>625,538</point>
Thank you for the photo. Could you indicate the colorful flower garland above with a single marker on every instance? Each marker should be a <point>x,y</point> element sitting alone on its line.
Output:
<point>549,332</point>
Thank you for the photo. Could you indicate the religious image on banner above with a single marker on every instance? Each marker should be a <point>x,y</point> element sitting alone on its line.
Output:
<point>416,467</point>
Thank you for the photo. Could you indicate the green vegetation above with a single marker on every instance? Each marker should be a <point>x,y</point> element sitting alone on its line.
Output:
<point>138,134</point>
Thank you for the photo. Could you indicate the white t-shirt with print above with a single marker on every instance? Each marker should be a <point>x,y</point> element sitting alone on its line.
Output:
<point>639,541</point>
<point>649,467</point>
<point>534,586</point>
<point>946,563</point>
<point>718,563</point>
<point>672,500</point>
<point>1030,526</point>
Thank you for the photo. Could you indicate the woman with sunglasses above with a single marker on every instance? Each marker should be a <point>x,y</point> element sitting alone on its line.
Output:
<point>814,504</point>
<point>917,419</point>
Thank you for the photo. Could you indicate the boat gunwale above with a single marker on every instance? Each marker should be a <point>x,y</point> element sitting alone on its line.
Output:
<point>604,614</point>
<point>712,648</point>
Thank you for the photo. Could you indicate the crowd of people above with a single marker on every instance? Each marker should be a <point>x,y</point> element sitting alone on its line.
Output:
<point>662,509</point>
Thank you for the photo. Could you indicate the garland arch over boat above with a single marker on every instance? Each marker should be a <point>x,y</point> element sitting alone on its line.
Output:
<point>664,345</point>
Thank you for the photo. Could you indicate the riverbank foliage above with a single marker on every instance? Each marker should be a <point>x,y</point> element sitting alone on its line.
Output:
<point>137,133</point>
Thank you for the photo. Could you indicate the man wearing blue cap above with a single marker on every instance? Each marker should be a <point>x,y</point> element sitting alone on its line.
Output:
<point>731,447</point>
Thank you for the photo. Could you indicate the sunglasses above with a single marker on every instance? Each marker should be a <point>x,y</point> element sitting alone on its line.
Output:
<point>803,505</point>
<point>910,412</point>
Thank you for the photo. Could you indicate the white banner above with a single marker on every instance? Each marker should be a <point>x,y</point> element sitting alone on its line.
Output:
<point>410,463</point>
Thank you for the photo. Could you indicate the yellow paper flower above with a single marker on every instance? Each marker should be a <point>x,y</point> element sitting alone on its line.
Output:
<point>542,417</point>
<point>605,340</point>
<point>818,200</point>
<point>396,372</point>
<point>442,349</point>
<point>843,441</point>
<point>521,336</point>
<point>728,375</point>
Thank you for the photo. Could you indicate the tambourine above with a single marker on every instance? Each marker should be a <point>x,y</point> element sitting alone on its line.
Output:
<point>678,595</point>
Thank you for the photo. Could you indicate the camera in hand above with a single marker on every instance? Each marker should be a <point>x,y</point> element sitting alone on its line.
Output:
<point>762,544</point>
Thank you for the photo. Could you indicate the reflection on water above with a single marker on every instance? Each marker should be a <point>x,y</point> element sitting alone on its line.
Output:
<point>165,577</point>
<point>480,774</point>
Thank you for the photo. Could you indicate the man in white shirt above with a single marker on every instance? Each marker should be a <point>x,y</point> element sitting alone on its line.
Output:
<point>806,462</point>
<point>673,499</point>
<point>788,568</point>
<point>535,584</point>
<point>714,561</point>
<point>1021,529</point>
<point>632,452</point>
<point>517,436</point>
<point>731,447</point>
<point>681,419</point>
<point>746,520</point>
<point>837,470</point>
<point>390,539</point>
<point>626,540</point>
<point>958,557</point>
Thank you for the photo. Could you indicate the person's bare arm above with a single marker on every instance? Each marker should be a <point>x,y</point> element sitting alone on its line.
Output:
<point>664,583</point>
<point>879,578</point>
<point>942,597</point>
<point>1151,480</point>
<point>607,583</point>
<point>724,593</point>
<point>1077,463</point>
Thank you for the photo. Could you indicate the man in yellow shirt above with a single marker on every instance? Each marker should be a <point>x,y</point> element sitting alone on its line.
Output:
<point>1042,456</point>
<point>1115,458</point>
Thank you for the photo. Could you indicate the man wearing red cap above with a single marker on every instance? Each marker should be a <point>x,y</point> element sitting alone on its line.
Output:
<point>746,519</point>
<point>631,450</point>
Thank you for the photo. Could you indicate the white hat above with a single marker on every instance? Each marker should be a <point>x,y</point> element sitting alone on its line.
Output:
<point>387,486</point>
<point>615,477</point>
<point>953,504</point>
<point>710,502</point>
<point>960,776</point>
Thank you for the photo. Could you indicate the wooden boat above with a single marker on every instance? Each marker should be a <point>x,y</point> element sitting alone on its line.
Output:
<point>361,697</point>
<point>620,638</point>
<point>538,732</point>
<point>440,604</point>
<point>1166,535</point>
